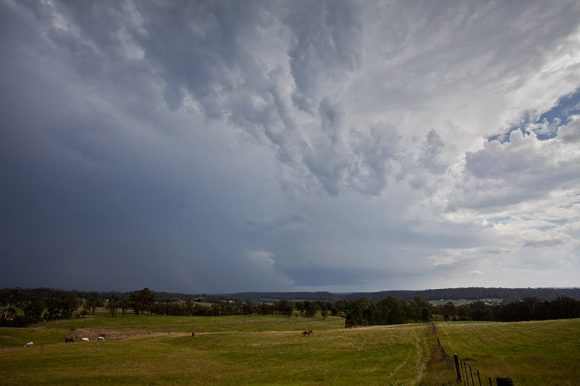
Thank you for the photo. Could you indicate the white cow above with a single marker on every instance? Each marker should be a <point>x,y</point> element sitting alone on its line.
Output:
<point>29,344</point>
<point>85,339</point>
<point>102,338</point>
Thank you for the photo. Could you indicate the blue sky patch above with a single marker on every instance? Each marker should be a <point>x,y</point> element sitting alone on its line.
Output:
<point>545,126</point>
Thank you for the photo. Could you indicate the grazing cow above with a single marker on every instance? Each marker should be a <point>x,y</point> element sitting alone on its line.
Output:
<point>68,339</point>
<point>307,333</point>
<point>101,338</point>
<point>193,333</point>
<point>29,344</point>
<point>85,339</point>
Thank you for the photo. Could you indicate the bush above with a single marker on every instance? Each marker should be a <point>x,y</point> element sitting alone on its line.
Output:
<point>18,321</point>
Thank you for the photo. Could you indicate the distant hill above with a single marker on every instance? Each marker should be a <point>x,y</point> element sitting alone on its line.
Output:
<point>296,296</point>
<point>468,293</point>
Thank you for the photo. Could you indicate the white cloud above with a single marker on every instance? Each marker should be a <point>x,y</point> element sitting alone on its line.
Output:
<point>268,276</point>
<point>517,171</point>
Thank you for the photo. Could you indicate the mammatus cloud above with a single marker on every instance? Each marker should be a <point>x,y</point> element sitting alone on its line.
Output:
<point>221,146</point>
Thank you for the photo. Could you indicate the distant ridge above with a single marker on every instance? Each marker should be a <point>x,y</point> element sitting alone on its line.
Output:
<point>468,293</point>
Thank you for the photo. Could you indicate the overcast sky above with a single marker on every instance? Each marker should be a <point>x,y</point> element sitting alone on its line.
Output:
<point>221,146</point>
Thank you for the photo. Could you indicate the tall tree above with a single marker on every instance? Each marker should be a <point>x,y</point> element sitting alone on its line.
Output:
<point>142,301</point>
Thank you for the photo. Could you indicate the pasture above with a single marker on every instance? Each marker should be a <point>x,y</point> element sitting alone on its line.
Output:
<point>225,350</point>
<point>259,350</point>
<point>531,353</point>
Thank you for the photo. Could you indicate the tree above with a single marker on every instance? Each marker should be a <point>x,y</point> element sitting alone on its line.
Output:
<point>479,311</point>
<point>310,309</point>
<point>93,301</point>
<point>449,311</point>
<point>61,305</point>
<point>247,309</point>
<point>34,308</point>
<point>112,304</point>
<point>395,311</point>
<point>285,307</point>
<point>420,309</point>
<point>142,300</point>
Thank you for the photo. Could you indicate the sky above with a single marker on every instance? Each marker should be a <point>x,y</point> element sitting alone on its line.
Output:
<point>224,146</point>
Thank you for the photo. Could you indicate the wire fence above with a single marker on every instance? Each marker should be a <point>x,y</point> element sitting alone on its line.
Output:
<point>465,374</point>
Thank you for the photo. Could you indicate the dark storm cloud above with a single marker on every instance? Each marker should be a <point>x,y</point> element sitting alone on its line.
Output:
<point>314,276</point>
<point>92,197</point>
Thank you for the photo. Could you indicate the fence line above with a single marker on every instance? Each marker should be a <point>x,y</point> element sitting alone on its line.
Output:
<point>463,370</point>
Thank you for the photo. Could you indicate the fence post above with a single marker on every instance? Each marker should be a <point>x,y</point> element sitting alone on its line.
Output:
<point>470,372</point>
<point>456,360</point>
<point>504,381</point>
<point>478,377</point>
<point>490,381</point>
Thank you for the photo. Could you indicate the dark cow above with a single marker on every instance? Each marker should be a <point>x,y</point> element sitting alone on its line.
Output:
<point>307,333</point>
<point>193,333</point>
<point>69,339</point>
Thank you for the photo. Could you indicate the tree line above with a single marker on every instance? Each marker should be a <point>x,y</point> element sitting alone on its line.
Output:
<point>562,307</point>
<point>26,306</point>
<point>395,311</point>
<point>21,307</point>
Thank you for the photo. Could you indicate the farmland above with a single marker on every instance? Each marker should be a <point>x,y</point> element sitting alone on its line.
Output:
<point>531,353</point>
<point>225,350</point>
<point>150,349</point>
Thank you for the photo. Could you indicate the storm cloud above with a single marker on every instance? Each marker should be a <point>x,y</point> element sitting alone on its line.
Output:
<point>219,146</point>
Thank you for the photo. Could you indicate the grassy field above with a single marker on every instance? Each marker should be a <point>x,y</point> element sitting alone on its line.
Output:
<point>252,350</point>
<point>226,350</point>
<point>531,353</point>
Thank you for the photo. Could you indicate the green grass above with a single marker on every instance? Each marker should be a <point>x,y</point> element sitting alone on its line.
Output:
<point>260,350</point>
<point>531,353</point>
<point>200,323</point>
<point>138,325</point>
<point>379,355</point>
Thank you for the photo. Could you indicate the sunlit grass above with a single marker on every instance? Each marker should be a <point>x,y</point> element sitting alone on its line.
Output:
<point>531,353</point>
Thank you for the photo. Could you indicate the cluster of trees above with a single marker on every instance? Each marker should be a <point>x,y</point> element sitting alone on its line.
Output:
<point>220,307</point>
<point>527,309</point>
<point>395,311</point>
<point>391,310</point>
<point>26,306</point>
<point>36,304</point>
